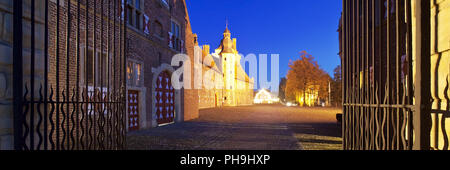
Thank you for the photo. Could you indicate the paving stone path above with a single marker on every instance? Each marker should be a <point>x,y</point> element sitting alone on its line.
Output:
<point>259,127</point>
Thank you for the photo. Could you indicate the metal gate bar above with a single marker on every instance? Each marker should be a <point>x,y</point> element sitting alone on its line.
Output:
<point>377,76</point>
<point>18,72</point>
<point>422,117</point>
<point>68,112</point>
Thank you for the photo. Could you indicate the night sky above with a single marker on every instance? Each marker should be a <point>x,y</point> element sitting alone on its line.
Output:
<point>283,27</point>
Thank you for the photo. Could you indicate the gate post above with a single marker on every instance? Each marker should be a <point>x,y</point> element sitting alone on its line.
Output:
<point>17,73</point>
<point>422,116</point>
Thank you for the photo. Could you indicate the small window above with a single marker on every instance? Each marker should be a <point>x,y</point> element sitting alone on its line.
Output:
<point>103,67</point>
<point>138,74</point>
<point>176,29</point>
<point>138,4</point>
<point>97,68</point>
<point>135,13</point>
<point>134,74</point>
<point>94,69</point>
<point>138,19</point>
<point>130,16</point>
<point>176,36</point>
<point>90,67</point>
<point>130,73</point>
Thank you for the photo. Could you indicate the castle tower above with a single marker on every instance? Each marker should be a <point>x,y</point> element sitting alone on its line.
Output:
<point>228,54</point>
<point>236,88</point>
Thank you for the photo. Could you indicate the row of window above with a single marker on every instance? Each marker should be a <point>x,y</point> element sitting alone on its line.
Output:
<point>98,69</point>
<point>138,20</point>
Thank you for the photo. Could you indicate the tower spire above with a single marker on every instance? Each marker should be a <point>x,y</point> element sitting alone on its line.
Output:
<point>227,31</point>
<point>226,23</point>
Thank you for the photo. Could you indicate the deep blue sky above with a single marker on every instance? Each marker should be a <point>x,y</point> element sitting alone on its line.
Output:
<point>283,27</point>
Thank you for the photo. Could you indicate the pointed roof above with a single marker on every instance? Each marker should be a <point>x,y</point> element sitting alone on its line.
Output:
<point>227,30</point>
<point>226,27</point>
<point>226,44</point>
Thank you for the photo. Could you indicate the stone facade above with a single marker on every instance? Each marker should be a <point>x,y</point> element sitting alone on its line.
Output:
<point>440,71</point>
<point>6,126</point>
<point>6,61</point>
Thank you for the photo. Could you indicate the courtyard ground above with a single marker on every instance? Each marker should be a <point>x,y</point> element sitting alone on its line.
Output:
<point>258,127</point>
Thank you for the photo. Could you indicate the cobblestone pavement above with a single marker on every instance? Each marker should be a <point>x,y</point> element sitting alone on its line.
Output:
<point>259,127</point>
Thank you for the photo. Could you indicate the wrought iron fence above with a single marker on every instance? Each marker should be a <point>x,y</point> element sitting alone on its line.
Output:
<point>385,106</point>
<point>69,78</point>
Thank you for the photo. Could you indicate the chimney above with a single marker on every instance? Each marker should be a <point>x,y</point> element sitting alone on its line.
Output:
<point>195,40</point>
<point>205,51</point>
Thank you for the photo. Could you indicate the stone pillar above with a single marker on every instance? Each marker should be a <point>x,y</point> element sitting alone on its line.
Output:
<point>6,61</point>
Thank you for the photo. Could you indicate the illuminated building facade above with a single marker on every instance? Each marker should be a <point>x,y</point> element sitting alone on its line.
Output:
<point>265,97</point>
<point>230,85</point>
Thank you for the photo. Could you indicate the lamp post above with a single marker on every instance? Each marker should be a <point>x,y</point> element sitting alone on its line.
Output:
<point>329,93</point>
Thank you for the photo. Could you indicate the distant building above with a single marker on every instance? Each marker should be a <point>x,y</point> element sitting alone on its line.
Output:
<point>232,86</point>
<point>265,97</point>
<point>310,97</point>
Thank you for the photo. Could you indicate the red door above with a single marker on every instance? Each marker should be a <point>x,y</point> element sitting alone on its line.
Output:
<point>165,99</point>
<point>133,110</point>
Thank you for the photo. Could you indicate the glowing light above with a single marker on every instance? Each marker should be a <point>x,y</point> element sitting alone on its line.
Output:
<point>264,97</point>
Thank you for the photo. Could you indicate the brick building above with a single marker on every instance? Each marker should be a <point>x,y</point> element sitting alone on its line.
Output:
<point>78,80</point>
<point>158,30</point>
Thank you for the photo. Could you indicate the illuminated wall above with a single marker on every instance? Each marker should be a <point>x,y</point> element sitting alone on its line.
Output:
<point>308,98</point>
<point>265,97</point>
<point>232,85</point>
<point>440,71</point>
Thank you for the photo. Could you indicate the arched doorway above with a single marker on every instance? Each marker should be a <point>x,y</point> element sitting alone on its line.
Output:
<point>165,99</point>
